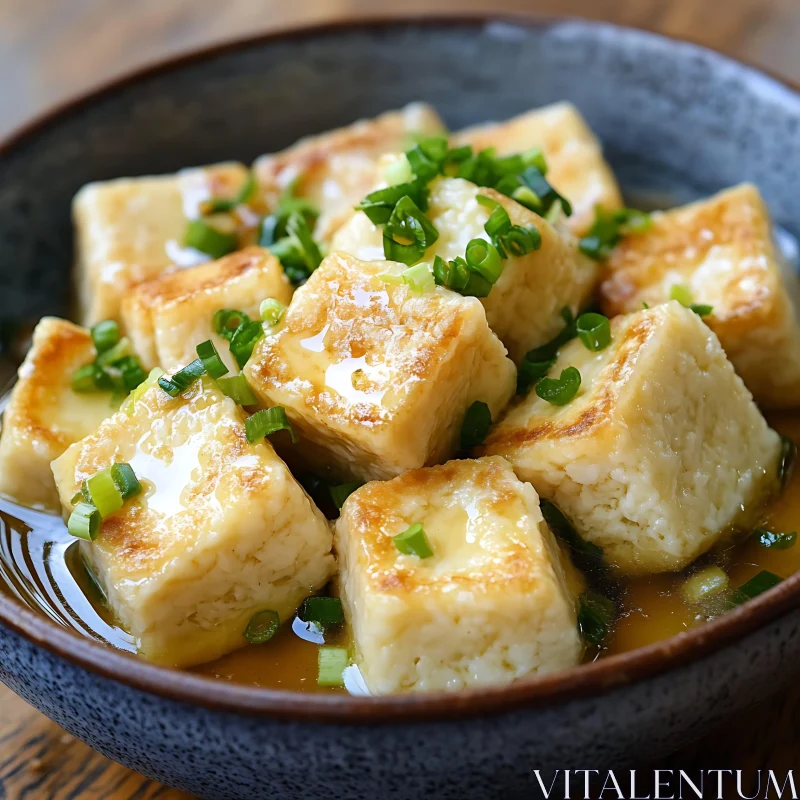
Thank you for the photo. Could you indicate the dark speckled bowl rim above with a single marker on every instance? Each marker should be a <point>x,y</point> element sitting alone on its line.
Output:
<point>582,681</point>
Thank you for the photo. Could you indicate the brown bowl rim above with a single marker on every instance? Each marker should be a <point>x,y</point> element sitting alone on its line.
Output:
<point>583,681</point>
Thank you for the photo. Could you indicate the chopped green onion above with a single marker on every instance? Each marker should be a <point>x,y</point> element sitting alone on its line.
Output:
<point>398,172</point>
<point>262,627</point>
<point>149,381</point>
<point>482,257</point>
<point>183,378</point>
<point>84,522</point>
<point>105,335</point>
<point>559,391</point>
<point>786,460</point>
<point>551,348</point>
<point>223,204</point>
<point>408,233</point>
<point>596,617</point>
<point>207,239</point>
<point>703,584</point>
<point>238,389</point>
<point>341,492</point>
<point>426,159</point>
<point>125,480</point>
<point>546,196</point>
<point>121,350</point>
<point>419,278</point>
<point>322,611</point>
<point>244,340</point>
<point>776,541</point>
<point>212,362</point>
<point>271,311</point>
<point>227,321</point>
<point>299,229</point>
<point>519,241</point>
<point>594,331</point>
<point>475,426</point>
<point>755,586</point>
<point>77,498</point>
<point>379,205</point>
<point>331,664</point>
<point>413,542</point>
<point>499,223</point>
<point>701,310</point>
<point>133,375</point>
<point>645,306</point>
<point>527,197</point>
<point>266,422</point>
<point>682,294</point>
<point>531,371</point>
<point>535,158</point>
<point>587,556</point>
<point>83,379</point>
<point>390,278</point>
<point>608,229</point>
<point>457,276</point>
<point>105,495</point>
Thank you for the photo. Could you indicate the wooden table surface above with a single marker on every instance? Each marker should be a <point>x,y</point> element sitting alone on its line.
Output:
<point>52,50</point>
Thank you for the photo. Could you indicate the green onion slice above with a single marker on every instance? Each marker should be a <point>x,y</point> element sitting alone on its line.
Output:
<point>244,340</point>
<point>408,233</point>
<point>413,542</point>
<point>104,493</point>
<point>183,379</point>
<point>531,371</point>
<point>207,239</point>
<point>331,664</point>
<point>534,180</point>
<point>125,480</point>
<point>560,391</point>
<point>238,389</point>
<point>379,205</point>
<point>266,422</point>
<point>596,617</point>
<point>133,375</point>
<point>105,335</point>
<point>476,424</point>
<point>703,584</point>
<point>224,204</point>
<point>758,584</point>
<point>262,627</point>
<point>212,362</point>
<point>83,379</point>
<point>322,611</point>
<point>271,311</point>
<point>551,348</point>
<point>776,541</point>
<point>682,294</point>
<point>701,310</point>
<point>482,257</point>
<point>341,492</point>
<point>419,278</point>
<point>594,331</point>
<point>587,556</point>
<point>84,522</point>
<point>298,228</point>
<point>227,321</point>
<point>609,227</point>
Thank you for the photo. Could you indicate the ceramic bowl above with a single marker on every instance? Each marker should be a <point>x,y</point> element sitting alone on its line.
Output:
<point>676,121</point>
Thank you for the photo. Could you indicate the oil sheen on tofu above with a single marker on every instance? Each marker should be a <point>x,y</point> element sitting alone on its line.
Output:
<point>376,377</point>
<point>490,605</point>
<point>662,452</point>
<point>221,530</point>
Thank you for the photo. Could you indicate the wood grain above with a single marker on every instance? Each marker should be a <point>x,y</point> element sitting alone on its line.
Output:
<point>51,51</point>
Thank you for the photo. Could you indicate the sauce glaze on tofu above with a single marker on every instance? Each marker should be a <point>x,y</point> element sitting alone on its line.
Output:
<point>387,442</point>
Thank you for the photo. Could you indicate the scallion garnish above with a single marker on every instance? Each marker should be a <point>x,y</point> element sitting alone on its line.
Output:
<point>133,375</point>
<point>84,522</point>
<point>594,331</point>
<point>322,611</point>
<point>413,542</point>
<point>457,276</point>
<point>419,278</point>
<point>238,389</point>
<point>482,257</point>
<point>775,541</point>
<point>266,422</point>
<point>331,664</point>
<point>559,391</point>
<point>212,363</point>
<point>682,294</point>
<point>183,378</point>
<point>244,340</point>
<point>704,584</point>
<point>137,393</point>
<point>475,426</point>
<point>298,252</point>
<point>83,379</point>
<point>209,240</point>
<point>531,371</point>
<point>544,195</point>
<point>263,625</point>
<point>342,491</point>
<point>596,615</point>
<point>786,461</point>
<point>701,310</point>
<point>104,494</point>
<point>609,228</point>
<point>587,556</point>
<point>226,322</point>
<point>379,205</point>
<point>758,584</point>
<point>105,335</point>
<point>225,204</point>
<point>125,480</point>
<point>271,311</point>
<point>113,355</point>
<point>408,233</point>
<point>427,157</point>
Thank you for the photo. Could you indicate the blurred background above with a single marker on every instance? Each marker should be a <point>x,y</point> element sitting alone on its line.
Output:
<point>51,50</point>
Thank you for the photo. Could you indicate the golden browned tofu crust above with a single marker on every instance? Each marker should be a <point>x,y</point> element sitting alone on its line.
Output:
<point>722,250</point>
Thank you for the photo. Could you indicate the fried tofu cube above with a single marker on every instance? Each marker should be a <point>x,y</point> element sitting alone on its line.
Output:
<point>334,170</point>
<point>220,531</point>
<point>576,166</point>
<point>524,306</point>
<point>126,230</point>
<point>722,250</point>
<point>491,604</point>
<point>374,376</point>
<point>167,317</point>
<point>44,415</point>
<point>662,452</point>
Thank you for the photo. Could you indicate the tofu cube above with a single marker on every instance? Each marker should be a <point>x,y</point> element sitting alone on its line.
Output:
<point>661,453</point>
<point>524,306</point>
<point>44,415</point>
<point>334,170</point>
<point>168,316</point>
<point>127,231</point>
<point>220,531</point>
<point>374,376</point>
<point>576,166</point>
<point>722,250</point>
<point>491,604</point>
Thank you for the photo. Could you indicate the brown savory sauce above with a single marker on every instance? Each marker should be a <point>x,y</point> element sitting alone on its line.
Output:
<point>41,565</point>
